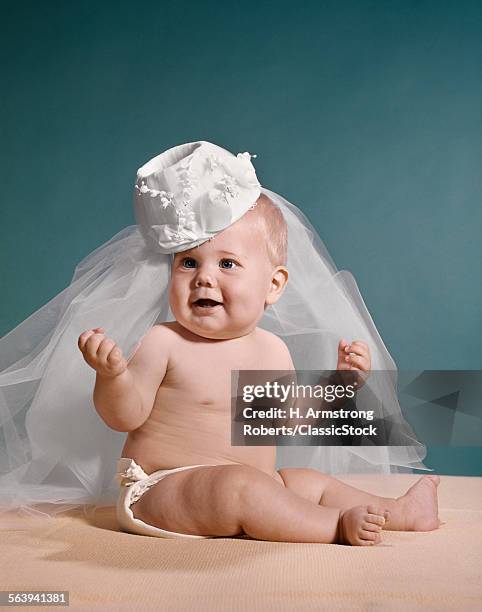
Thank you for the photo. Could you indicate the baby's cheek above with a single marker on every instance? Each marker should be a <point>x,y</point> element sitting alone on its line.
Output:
<point>176,289</point>
<point>253,304</point>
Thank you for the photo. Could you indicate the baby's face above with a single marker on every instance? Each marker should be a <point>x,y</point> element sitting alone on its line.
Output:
<point>219,289</point>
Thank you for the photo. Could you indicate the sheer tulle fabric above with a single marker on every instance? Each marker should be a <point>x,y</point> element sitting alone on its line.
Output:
<point>55,451</point>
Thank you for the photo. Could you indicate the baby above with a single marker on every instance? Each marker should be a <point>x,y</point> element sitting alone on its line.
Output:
<point>173,399</point>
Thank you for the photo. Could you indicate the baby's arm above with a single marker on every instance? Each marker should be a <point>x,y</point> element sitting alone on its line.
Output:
<point>124,393</point>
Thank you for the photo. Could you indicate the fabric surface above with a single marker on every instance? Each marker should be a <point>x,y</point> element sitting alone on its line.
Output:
<point>106,569</point>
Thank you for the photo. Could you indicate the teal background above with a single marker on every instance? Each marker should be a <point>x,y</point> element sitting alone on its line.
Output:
<point>367,115</point>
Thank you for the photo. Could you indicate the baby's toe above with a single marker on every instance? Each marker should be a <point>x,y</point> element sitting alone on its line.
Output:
<point>376,519</point>
<point>369,537</point>
<point>377,510</point>
<point>368,526</point>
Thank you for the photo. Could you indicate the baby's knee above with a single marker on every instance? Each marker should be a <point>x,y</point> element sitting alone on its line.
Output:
<point>231,481</point>
<point>249,485</point>
<point>234,484</point>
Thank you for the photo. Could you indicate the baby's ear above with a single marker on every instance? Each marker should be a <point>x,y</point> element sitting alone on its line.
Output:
<point>279,279</point>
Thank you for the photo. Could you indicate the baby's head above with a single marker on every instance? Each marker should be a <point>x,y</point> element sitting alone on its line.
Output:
<point>221,288</point>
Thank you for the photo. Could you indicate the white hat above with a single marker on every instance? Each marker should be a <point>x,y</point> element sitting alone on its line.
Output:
<point>191,192</point>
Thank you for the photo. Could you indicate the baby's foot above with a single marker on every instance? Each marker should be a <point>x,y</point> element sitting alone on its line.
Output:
<point>420,505</point>
<point>361,525</point>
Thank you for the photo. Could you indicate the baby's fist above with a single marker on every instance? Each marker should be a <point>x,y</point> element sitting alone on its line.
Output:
<point>354,358</point>
<point>101,353</point>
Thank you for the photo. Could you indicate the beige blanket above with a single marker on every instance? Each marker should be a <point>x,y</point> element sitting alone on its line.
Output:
<point>104,569</point>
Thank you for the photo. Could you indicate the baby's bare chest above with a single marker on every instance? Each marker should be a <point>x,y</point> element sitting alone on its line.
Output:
<point>207,376</point>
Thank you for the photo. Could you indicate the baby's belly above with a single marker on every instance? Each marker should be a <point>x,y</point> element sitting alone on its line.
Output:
<point>159,445</point>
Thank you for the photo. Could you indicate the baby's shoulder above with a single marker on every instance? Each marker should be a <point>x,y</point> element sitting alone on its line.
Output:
<point>168,330</point>
<point>267,336</point>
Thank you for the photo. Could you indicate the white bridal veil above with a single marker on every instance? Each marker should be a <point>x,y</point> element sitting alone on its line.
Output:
<point>55,451</point>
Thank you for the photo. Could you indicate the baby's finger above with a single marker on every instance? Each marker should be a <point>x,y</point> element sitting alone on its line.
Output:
<point>342,345</point>
<point>115,355</point>
<point>92,344</point>
<point>104,349</point>
<point>83,339</point>
<point>361,343</point>
<point>86,335</point>
<point>357,349</point>
<point>358,362</point>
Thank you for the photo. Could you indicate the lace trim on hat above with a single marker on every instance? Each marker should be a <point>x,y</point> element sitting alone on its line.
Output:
<point>167,197</point>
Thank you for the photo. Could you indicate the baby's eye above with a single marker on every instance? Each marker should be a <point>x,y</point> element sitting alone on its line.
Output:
<point>227,264</point>
<point>188,262</point>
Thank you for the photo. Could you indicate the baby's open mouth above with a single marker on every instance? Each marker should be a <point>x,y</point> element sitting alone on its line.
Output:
<point>205,303</point>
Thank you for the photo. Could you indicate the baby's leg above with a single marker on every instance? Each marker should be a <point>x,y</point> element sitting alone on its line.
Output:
<point>229,500</point>
<point>417,510</point>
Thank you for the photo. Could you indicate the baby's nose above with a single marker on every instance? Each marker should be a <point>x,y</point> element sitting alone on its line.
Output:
<point>205,280</point>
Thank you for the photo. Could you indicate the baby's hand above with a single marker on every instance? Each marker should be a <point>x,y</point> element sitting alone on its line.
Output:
<point>361,525</point>
<point>354,357</point>
<point>101,353</point>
